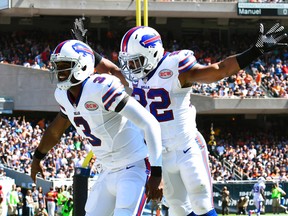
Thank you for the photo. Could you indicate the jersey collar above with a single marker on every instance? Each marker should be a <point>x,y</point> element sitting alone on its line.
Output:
<point>75,101</point>
<point>159,63</point>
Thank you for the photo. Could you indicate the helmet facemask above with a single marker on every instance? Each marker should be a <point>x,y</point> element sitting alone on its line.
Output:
<point>62,72</point>
<point>141,50</point>
<point>134,67</point>
<point>58,71</point>
<point>73,64</point>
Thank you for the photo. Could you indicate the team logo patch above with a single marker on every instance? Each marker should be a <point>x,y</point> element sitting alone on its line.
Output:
<point>84,50</point>
<point>150,40</point>
<point>91,106</point>
<point>165,74</point>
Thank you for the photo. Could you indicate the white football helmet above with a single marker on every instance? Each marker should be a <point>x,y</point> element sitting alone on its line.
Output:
<point>141,50</point>
<point>261,180</point>
<point>81,58</point>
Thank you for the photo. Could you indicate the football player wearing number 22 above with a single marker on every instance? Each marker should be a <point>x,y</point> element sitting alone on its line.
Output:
<point>161,81</point>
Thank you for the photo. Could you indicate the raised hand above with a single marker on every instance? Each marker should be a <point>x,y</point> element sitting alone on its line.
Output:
<point>270,40</point>
<point>79,31</point>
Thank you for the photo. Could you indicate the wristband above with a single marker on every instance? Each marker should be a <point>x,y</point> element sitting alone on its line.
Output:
<point>156,171</point>
<point>246,57</point>
<point>38,155</point>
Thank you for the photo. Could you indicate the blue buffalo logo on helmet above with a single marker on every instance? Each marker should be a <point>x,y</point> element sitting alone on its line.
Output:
<point>150,40</point>
<point>81,48</point>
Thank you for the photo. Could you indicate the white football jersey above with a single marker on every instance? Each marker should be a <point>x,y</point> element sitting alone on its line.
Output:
<point>170,103</point>
<point>115,141</point>
<point>257,188</point>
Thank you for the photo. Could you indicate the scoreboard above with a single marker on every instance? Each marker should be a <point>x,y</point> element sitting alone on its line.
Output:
<point>262,9</point>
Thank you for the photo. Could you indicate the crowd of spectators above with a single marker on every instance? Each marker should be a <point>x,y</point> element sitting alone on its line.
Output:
<point>34,201</point>
<point>19,138</point>
<point>266,77</point>
<point>250,153</point>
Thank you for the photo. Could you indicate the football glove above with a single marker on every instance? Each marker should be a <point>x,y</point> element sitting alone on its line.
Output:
<point>270,40</point>
<point>265,42</point>
<point>78,31</point>
<point>154,186</point>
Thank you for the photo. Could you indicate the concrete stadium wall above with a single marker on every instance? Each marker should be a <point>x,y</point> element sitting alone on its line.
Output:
<point>30,89</point>
<point>209,105</point>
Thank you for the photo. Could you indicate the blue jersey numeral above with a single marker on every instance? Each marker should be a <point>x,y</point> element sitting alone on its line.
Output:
<point>79,120</point>
<point>161,100</point>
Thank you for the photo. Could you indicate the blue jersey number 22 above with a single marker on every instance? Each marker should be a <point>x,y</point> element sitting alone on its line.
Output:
<point>163,102</point>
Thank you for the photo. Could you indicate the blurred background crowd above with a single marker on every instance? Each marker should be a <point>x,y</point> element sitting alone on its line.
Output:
<point>235,155</point>
<point>265,77</point>
<point>245,154</point>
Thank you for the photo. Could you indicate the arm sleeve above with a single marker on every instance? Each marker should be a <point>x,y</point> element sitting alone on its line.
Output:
<point>151,127</point>
<point>98,58</point>
<point>186,60</point>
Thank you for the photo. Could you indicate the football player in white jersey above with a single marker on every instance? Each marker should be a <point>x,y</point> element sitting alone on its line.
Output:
<point>258,196</point>
<point>161,82</point>
<point>114,123</point>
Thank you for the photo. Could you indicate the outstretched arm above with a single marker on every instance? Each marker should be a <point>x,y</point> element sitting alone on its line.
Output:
<point>50,138</point>
<point>265,42</point>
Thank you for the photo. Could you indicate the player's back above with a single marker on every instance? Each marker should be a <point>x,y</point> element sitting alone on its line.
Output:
<point>160,93</point>
<point>115,140</point>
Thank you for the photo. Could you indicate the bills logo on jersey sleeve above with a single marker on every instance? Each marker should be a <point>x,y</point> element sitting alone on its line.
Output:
<point>91,106</point>
<point>165,74</point>
<point>81,48</point>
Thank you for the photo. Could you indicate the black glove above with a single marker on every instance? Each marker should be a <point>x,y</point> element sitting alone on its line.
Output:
<point>154,186</point>
<point>79,32</point>
<point>269,41</point>
<point>265,43</point>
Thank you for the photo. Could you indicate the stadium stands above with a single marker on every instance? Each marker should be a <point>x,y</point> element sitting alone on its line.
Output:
<point>240,154</point>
